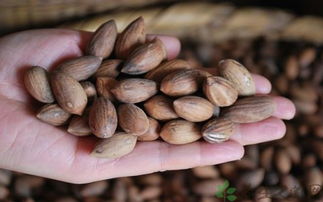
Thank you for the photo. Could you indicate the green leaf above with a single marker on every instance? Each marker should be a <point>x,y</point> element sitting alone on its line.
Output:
<point>219,194</point>
<point>223,186</point>
<point>231,197</point>
<point>226,184</point>
<point>231,190</point>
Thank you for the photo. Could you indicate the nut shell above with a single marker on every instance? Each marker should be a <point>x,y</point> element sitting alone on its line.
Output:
<point>166,68</point>
<point>133,119</point>
<point>53,114</point>
<point>134,90</point>
<point>79,125</point>
<point>104,86</point>
<point>193,108</point>
<point>103,119</point>
<point>181,82</point>
<point>218,130</point>
<point>103,40</point>
<point>69,93</point>
<point>80,68</point>
<point>115,147</point>
<point>132,36</point>
<point>250,109</point>
<point>108,68</point>
<point>153,131</point>
<point>161,108</point>
<point>37,84</point>
<point>180,132</point>
<point>219,91</point>
<point>145,58</point>
<point>89,89</point>
<point>238,75</point>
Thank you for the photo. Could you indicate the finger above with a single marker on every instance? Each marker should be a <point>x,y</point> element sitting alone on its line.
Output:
<point>263,86</point>
<point>285,109</point>
<point>157,156</point>
<point>263,131</point>
<point>172,45</point>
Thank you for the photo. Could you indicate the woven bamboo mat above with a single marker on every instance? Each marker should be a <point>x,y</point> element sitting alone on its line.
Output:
<point>213,22</point>
<point>17,14</point>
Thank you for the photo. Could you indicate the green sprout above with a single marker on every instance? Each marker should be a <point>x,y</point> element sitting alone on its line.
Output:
<point>226,192</point>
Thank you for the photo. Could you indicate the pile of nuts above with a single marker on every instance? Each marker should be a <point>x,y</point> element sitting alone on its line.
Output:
<point>140,96</point>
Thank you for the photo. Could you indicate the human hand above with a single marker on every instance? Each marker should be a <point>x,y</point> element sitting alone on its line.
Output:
<point>30,146</point>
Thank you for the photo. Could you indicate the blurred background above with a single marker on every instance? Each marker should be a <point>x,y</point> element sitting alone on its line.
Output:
<point>281,40</point>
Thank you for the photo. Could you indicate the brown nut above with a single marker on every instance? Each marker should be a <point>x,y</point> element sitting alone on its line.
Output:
<point>134,90</point>
<point>89,89</point>
<point>181,82</point>
<point>103,39</point>
<point>161,108</point>
<point>80,68</point>
<point>166,68</point>
<point>180,132</point>
<point>238,75</point>
<point>132,36</point>
<point>250,109</point>
<point>53,114</point>
<point>218,130</point>
<point>145,58</point>
<point>193,108</point>
<point>37,84</point>
<point>133,119</point>
<point>103,119</point>
<point>220,91</point>
<point>104,86</point>
<point>153,131</point>
<point>108,68</point>
<point>116,146</point>
<point>79,125</point>
<point>69,93</point>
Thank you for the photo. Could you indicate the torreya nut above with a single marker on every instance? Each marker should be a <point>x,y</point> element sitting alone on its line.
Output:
<point>108,68</point>
<point>134,90</point>
<point>53,114</point>
<point>282,161</point>
<point>181,82</point>
<point>80,68</point>
<point>218,130</point>
<point>79,125</point>
<point>161,108</point>
<point>133,119</point>
<point>166,68</point>
<point>238,75</point>
<point>68,92</point>
<point>104,86</point>
<point>203,74</point>
<point>153,131</point>
<point>132,36</point>
<point>193,108</point>
<point>37,84</point>
<point>219,91</point>
<point>103,40</point>
<point>103,118</point>
<point>313,180</point>
<point>180,132</point>
<point>89,89</point>
<point>116,146</point>
<point>250,109</point>
<point>145,58</point>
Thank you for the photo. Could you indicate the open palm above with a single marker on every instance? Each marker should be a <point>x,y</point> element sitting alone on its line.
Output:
<point>31,146</point>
